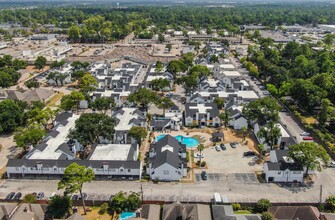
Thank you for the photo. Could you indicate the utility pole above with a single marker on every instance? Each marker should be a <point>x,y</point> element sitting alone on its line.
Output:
<point>320,194</point>
<point>142,193</point>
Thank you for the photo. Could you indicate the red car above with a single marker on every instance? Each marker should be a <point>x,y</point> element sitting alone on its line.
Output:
<point>307,138</point>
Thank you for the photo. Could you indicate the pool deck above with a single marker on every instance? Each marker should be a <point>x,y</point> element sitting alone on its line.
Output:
<point>207,142</point>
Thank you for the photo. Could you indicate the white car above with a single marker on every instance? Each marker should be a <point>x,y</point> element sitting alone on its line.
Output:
<point>305,133</point>
<point>218,148</point>
<point>199,155</point>
<point>331,164</point>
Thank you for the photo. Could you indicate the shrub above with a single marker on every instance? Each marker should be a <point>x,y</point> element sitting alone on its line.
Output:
<point>330,203</point>
<point>103,208</point>
<point>203,163</point>
<point>197,163</point>
<point>263,205</point>
<point>29,198</point>
<point>236,206</point>
<point>267,216</point>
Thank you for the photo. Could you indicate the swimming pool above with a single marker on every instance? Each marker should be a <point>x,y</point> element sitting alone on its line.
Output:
<point>190,142</point>
<point>126,215</point>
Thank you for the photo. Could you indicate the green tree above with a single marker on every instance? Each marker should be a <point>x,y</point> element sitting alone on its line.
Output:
<point>214,59</point>
<point>74,33</point>
<point>77,74</point>
<point>263,205</point>
<point>40,62</point>
<point>40,116</point>
<point>74,178</point>
<point>244,132</point>
<point>103,104</point>
<point>29,198</point>
<point>77,65</point>
<point>59,206</point>
<point>328,39</point>
<point>327,111</point>
<point>330,203</point>
<point>169,47</point>
<point>88,83</point>
<point>225,118</point>
<point>270,133</point>
<point>160,84</point>
<point>262,110</point>
<point>200,148</point>
<point>161,38</point>
<point>143,97</point>
<point>164,103</point>
<point>272,89</point>
<point>138,133</point>
<point>11,116</point>
<point>159,66</point>
<point>30,135</point>
<point>267,216</point>
<point>122,202</point>
<point>71,101</point>
<point>91,126</point>
<point>219,102</point>
<point>32,84</point>
<point>309,155</point>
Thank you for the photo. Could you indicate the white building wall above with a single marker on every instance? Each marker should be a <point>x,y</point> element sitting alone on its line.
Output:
<point>283,176</point>
<point>166,172</point>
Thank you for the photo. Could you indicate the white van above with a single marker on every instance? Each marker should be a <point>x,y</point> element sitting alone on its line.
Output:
<point>217,198</point>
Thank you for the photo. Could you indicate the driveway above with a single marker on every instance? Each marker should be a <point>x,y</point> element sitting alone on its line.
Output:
<point>230,160</point>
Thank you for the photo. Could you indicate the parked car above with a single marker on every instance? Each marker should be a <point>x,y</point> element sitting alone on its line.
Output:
<point>331,164</point>
<point>75,197</point>
<point>34,194</point>
<point>52,195</point>
<point>234,144</point>
<point>217,148</point>
<point>249,153</point>
<point>307,138</point>
<point>40,195</point>
<point>266,93</point>
<point>199,155</point>
<point>283,110</point>
<point>17,196</point>
<point>305,133</point>
<point>223,147</point>
<point>10,195</point>
<point>203,175</point>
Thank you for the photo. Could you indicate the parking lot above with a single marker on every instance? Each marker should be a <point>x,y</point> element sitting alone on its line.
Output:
<point>230,160</point>
<point>231,177</point>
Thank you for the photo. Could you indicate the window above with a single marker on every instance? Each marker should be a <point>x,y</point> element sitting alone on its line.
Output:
<point>296,172</point>
<point>279,172</point>
<point>129,170</point>
<point>55,169</point>
<point>166,172</point>
<point>121,170</point>
<point>99,169</point>
<point>17,168</point>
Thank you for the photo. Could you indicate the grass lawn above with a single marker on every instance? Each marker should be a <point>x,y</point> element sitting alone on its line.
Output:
<point>310,120</point>
<point>242,212</point>
<point>52,101</point>
<point>94,214</point>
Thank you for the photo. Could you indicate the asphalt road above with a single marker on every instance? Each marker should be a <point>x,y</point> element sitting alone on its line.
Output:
<point>239,187</point>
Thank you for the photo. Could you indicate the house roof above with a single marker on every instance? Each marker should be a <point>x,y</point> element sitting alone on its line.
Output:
<point>295,212</point>
<point>76,216</point>
<point>225,212</point>
<point>175,107</point>
<point>159,124</point>
<point>27,211</point>
<point>151,212</point>
<point>192,108</point>
<point>186,211</point>
<point>282,166</point>
<point>218,134</point>
<point>168,156</point>
<point>66,163</point>
<point>38,94</point>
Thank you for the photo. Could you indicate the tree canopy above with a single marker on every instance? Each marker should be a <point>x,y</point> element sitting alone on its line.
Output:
<point>309,154</point>
<point>74,178</point>
<point>91,126</point>
<point>11,115</point>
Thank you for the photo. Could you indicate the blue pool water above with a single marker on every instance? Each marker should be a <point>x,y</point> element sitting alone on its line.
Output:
<point>126,215</point>
<point>188,141</point>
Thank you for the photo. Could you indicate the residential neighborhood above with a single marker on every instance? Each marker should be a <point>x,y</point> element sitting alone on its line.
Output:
<point>109,114</point>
